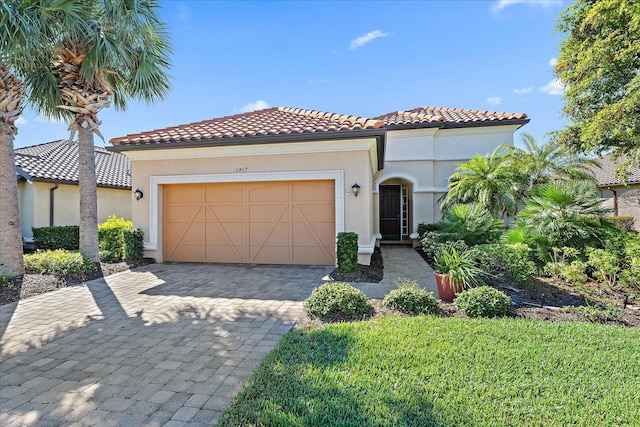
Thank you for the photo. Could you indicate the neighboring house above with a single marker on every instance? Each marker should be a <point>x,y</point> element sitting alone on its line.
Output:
<point>277,185</point>
<point>48,189</point>
<point>623,200</point>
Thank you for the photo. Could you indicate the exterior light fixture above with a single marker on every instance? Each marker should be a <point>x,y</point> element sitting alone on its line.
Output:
<point>138,194</point>
<point>356,189</point>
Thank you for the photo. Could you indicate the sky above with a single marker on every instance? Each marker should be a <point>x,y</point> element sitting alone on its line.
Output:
<point>363,58</point>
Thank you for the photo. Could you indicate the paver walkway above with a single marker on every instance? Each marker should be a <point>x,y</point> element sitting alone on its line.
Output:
<point>164,344</point>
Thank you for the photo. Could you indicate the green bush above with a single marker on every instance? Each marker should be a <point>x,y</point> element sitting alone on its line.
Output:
<point>574,273</point>
<point>57,237</point>
<point>423,227</point>
<point>111,238</point>
<point>514,262</point>
<point>133,247</point>
<point>411,299</point>
<point>471,223</point>
<point>347,251</point>
<point>605,266</point>
<point>59,262</point>
<point>483,301</point>
<point>434,242</point>
<point>336,299</point>
<point>623,222</point>
<point>461,267</point>
<point>4,280</point>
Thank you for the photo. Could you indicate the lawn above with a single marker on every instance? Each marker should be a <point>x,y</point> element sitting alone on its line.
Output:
<point>431,371</point>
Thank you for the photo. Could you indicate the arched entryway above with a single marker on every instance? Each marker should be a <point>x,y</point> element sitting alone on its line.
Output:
<point>395,207</point>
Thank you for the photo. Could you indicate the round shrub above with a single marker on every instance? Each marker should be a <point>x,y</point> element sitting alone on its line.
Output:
<point>336,299</point>
<point>483,301</point>
<point>411,299</point>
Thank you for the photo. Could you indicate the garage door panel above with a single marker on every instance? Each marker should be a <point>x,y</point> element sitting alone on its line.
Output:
<point>182,194</point>
<point>268,213</point>
<point>225,193</point>
<point>271,192</point>
<point>265,222</point>
<point>224,213</point>
<point>185,214</point>
<point>314,191</point>
<point>217,253</point>
<point>314,213</point>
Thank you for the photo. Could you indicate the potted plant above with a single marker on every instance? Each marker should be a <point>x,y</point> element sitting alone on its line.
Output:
<point>454,272</point>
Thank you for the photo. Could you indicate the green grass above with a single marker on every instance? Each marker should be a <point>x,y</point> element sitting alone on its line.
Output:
<point>429,371</point>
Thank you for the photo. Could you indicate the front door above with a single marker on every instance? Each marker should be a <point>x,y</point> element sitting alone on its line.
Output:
<point>390,212</point>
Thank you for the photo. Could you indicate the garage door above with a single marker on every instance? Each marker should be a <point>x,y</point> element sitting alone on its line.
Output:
<point>290,222</point>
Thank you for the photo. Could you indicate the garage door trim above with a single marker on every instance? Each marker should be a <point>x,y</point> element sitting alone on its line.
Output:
<point>155,181</point>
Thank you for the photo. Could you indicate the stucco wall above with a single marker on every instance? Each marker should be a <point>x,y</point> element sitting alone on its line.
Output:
<point>34,205</point>
<point>426,158</point>
<point>628,201</point>
<point>353,160</point>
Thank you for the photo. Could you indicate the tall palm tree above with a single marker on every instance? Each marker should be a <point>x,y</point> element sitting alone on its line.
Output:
<point>486,181</point>
<point>121,53</point>
<point>541,164</point>
<point>28,30</point>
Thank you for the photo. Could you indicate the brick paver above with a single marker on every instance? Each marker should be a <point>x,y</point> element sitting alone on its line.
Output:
<point>164,344</point>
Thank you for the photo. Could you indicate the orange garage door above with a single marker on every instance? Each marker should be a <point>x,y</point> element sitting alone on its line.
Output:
<point>290,222</point>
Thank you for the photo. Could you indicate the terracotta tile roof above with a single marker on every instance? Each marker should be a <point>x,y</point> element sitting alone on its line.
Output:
<point>261,123</point>
<point>446,117</point>
<point>606,173</point>
<point>58,161</point>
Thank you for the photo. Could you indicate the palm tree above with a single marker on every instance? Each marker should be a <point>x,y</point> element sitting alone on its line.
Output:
<point>120,53</point>
<point>564,213</point>
<point>27,31</point>
<point>540,164</point>
<point>486,181</point>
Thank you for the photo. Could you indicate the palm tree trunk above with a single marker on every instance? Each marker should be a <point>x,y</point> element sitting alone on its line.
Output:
<point>11,254</point>
<point>88,195</point>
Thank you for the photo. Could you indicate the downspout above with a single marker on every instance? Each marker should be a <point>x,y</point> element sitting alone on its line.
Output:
<point>51,203</point>
<point>615,201</point>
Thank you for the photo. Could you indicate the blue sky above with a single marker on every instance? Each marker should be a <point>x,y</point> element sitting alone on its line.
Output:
<point>361,58</point>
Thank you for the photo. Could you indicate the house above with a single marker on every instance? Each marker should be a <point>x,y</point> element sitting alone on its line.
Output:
<point>277,185</point>
<point>623,200</point>
<point>48,191</point>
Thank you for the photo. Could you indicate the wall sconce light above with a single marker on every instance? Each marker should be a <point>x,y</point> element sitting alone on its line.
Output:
<point>356,189</point>
<point>138,194</point>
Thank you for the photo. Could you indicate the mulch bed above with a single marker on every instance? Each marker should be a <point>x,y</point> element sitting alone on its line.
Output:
<point>35,284</point>
<point>363,273</point>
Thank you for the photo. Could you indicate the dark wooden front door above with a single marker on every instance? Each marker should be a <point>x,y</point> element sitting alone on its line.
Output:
<point>390,212</point>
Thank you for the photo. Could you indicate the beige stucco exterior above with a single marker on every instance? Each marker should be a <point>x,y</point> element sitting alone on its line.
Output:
<point>422,160</point>
<point>628,200</point>
<point>345,161</point>
<point>34,199</point>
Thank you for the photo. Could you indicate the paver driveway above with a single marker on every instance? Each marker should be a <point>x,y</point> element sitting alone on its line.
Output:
<point>165,344</point>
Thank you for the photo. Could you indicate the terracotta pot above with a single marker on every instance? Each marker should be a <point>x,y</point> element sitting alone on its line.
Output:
<point>446,292</point>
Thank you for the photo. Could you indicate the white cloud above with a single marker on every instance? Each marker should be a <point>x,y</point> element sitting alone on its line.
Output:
<point>21,121</point>
<point>553,62</point>
<point>554,87</point>
<point>494,100</point>
<point>253,106</point>
<point>362,40</point>
<point>502,4</point>
<point>523,91</point>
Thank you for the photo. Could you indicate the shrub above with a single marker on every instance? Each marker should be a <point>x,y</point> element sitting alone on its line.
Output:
<point>605,266</point>
<point>347,251</point>
<point>423,227</point>
<point>471,223</point>
<point>111,239</point>
<point>59,262</point>
<point>434,242</point>
<point>515,261</point>
<point>411,299</point>
<point>461,267</point>
<point>57,237</point>
<point>574,273</point>
<point>483,301</point>
<point>133,247</point>
<point>336,299</point>
<point>4,280</point>
<point>623,222</point>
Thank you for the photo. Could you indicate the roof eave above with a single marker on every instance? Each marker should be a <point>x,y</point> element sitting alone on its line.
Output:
<point>379,134</point>
<point>457,125</point>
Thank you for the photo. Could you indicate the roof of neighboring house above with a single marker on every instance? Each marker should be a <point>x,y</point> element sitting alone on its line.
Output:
<point>257,126</point>
<point>57,161</point>
<point>606,173</point>
<point>448,118</point>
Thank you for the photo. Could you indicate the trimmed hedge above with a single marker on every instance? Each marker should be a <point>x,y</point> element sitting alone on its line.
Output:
<point>411,299</point>
<point>57,237</point>
<point>59,262</point>
<point>347,251</point>
<point>133,247</point>
<point>118,240</point>
<point>483,301</point>
<point>336,299</point>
